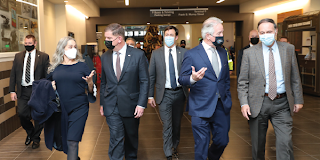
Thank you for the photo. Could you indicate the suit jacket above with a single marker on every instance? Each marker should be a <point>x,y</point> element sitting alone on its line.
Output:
<point>239,59</point>
<point>203,96</point>
<point>157,72</point>
<point>252,80</point>
<point>41,65</point>
<point>132,88</point>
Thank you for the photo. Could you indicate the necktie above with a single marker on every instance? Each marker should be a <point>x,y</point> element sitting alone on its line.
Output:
<point>118,68</point>
<point>272,77</point>
<point>172,71</point>
<point>215,63</point>
<point>27,74</point>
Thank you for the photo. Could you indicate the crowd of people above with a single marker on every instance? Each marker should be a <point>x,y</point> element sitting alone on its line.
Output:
<point>269,88</point>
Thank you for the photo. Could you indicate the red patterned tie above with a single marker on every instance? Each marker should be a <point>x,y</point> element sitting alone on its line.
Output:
<point>272,77</point>
<point>118,68</point>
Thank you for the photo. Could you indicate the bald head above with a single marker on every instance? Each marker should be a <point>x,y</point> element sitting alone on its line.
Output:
<point>254,37</point>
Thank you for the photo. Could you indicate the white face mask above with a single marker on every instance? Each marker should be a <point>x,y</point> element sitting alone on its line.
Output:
<point>71,53</point>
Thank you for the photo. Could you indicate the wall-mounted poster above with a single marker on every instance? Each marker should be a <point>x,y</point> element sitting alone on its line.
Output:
<point>13,18</point>
<point>26,10</point>
<point>4,5</point>
<point>24,26</point>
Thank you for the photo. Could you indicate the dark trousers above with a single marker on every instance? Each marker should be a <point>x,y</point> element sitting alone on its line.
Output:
<point>171,110</point>
<point>278,112</point>
<point>219,125</point>
<point>123,136</point>
<point>24,112</point>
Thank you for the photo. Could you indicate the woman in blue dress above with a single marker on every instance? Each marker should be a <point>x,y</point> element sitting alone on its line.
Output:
<point>72,79</point>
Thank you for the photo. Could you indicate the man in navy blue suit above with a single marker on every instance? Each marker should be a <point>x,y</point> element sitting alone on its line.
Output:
<point>205,69</point>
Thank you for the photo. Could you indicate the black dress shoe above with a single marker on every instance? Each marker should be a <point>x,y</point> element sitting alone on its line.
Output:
<point>175,153</point>
<point>169,158</point>
<point>78,158</point>
<point>28,140</point>
<point>35,145</point>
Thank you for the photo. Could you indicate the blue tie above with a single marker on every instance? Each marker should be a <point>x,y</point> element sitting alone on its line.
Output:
<point>172,71</point>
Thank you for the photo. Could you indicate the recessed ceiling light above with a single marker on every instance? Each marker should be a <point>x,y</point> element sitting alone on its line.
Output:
<point>65,1</point>
<point>187,22</point>
<point>219,1</point>
<point>148,22</point>
<point>127,2</point>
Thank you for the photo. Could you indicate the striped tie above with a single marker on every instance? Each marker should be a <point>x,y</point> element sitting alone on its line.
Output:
<point>272,77</point>
<point>27,75</point>
<point>118,68</point>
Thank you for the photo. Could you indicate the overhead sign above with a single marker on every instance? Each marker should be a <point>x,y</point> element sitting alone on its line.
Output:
<point>178,12</point>
<point>307,23</point>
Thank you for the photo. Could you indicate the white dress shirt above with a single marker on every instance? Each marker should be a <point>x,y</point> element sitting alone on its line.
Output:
<point>122,56</point>
<point>33,57</point>
<point>166,59</point>
<point>209,52</point>
<point>278,67</point>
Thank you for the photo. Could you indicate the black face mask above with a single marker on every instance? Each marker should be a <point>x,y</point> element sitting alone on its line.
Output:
<point>29,48</point>
<point>254,41</point>
<point>109,44</point>
<point>219,41</point>
<point>183,46</point>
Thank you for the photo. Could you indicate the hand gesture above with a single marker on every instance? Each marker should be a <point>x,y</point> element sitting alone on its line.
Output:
<point>88,79</point>
<point>198,75</point>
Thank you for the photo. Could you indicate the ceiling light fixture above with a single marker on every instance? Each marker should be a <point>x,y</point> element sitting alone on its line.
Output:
<point>27,3</point>
<point>127,2</point>
<point>187,22</point>
<point>65,1</point>
<point>148,22</point>
<point>283,7</point>
<point>219,1</point>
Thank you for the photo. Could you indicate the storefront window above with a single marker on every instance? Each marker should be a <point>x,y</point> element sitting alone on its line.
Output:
<point>17,19</point>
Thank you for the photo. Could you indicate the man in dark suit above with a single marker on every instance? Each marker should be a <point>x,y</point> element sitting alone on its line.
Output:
<point>164,69</point>
<point>123,92</point>
<point>254,39</point>
<point>28,66</point>
<point>269,88</point>
<point>209,100</point>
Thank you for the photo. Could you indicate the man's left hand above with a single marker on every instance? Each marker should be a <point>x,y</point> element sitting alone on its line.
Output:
<point>138,112</point>
<point>297,107</point>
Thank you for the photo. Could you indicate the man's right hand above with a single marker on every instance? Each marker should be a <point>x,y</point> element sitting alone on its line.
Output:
<point>152,102</point>
<point>245,109</point>
<point>101,111</point>
<point>198,75</point>
<point>13,96</point>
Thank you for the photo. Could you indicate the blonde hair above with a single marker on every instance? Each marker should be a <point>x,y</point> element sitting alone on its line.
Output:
<point>58,55</point>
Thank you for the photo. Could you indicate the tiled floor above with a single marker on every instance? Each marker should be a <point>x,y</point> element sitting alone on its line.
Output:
<point>94,145</point>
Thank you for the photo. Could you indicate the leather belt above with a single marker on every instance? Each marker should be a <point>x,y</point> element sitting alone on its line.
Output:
<point>278,95</point>
<point>174,89</point>
<point>27,86</point>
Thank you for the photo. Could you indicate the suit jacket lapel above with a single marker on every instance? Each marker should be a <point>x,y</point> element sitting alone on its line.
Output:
<point>260,60</point>
<point>204,56</point>
<point>36,59</point>
<point>283,58</point>
<point>126,62</point>
<point>110,63</point>
<point>179,59</point>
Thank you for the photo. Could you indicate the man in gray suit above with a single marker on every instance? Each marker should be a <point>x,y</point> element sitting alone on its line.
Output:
<point>164,69</point>
<point>269,88</point>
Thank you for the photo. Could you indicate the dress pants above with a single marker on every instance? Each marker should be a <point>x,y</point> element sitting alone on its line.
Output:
<point>123,136</point>
<point>219,125</point>
<point>278,112</point>
<point>171,110</point>
<point>24,112</point>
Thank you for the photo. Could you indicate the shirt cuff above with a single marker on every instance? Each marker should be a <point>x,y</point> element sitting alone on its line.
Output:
<point>12,92</point>
<point>243,105</point>
<point>192,81</point>
<point>150,98</point>
<point>141,107</point>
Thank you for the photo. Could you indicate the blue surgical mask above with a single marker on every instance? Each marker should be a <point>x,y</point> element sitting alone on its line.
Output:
<point>267,39</point>
<point>169,40</point>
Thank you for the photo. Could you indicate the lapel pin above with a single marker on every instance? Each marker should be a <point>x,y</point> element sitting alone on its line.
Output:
<point>179,52</point>
<point>129,55</point>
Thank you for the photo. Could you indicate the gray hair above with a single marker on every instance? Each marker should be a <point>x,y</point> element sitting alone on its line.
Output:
<point>132,39</point>
<point>267,20</point>
<point>58,55</point>
<point>208,25</point>
<point>116,29</point>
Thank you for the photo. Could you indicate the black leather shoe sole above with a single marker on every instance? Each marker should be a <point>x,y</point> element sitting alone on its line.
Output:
<point>35,145</point>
